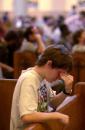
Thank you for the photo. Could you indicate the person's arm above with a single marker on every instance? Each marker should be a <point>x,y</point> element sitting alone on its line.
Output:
<point>59,98</point>
<point>41,45</point>
<point>68,81</point>
<point>38,38</point>
<point>6,67</point>
<point>42,117</point>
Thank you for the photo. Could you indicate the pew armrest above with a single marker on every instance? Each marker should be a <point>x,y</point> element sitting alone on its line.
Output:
<point>66,102</point>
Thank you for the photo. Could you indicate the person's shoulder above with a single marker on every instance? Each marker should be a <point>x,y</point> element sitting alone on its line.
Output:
<point>71,18</point>
<point>29,73</point>
<point>78,48</point>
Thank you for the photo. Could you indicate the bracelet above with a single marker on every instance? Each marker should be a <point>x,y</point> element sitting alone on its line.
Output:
<point>64,91</point>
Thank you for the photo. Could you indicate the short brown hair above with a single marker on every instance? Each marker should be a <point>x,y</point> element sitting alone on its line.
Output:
<point>59,56</point>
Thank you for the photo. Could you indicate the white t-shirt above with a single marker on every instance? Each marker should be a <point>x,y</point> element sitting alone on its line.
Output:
<point>74,23</point>
<point>26,98</point>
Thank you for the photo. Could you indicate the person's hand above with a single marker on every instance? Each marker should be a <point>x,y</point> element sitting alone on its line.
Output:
<point>37,37</point>
<point>63,118</point>
<point>68,80</point>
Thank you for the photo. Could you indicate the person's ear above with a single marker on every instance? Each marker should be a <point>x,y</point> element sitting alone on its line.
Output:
<point>49,63</point>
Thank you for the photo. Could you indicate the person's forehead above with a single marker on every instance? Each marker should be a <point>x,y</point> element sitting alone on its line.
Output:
<point>61,69</point>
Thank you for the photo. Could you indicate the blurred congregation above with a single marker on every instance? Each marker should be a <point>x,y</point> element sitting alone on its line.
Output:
<point>18,34</point>
<point>26,30</point>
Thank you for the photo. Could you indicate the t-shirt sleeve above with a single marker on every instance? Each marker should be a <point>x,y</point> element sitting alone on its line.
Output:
<point>28,97</point>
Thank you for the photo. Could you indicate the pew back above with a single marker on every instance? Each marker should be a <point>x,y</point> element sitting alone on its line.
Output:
<point>79,66</point>
<point>23,60</point>
<point>75,108</point>
<point>6,92</point>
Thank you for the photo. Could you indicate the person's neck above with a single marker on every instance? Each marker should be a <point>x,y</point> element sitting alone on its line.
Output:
<point>40,71</point>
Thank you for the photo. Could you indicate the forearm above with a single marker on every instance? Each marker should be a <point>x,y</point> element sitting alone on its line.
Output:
<point>6,67</point>
<point>42,117</point>
<point>41,46</point>
<point>57,100</point>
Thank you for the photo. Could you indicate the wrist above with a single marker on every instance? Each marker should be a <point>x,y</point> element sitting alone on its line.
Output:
<point>67,93</point>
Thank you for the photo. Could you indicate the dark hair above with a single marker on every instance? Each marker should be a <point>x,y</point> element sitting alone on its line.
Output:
<point>28,32</point>
<point>64,30</point>
<point>59,56</point>
<point>11,35</point>
<point>82,13</point>
<point>76,36</point>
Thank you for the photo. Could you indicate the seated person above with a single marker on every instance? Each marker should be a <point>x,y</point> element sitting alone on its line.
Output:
<point>32,41</point>
<point>79,41</point>
<point>6,71</point>
<point>32,97</point>
<point>12,42</point>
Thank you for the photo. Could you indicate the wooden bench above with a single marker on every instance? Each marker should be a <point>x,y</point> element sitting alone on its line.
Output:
<point>79,66</point>
<point>23,60</point>
<point>6,92</point>
<point>74,106</point>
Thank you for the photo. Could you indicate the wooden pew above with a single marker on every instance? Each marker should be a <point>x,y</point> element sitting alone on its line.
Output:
<point>74,107</point>
<point>79,66</point>
<point>6,92</point>
<point>23,60</point>
<point>26,59</point>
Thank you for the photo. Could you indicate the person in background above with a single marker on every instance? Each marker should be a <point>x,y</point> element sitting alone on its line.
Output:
<point>6,71</point>
<point>66,36</point>
<point>56,34</point>
<point>33,101</point>
<point>79,41</point>
<point>32,40</point>
<point>13,44</point>
<point>76,22</point>
<point>73,11</point>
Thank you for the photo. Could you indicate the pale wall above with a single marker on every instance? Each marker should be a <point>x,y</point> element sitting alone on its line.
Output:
<point>44,5</point>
